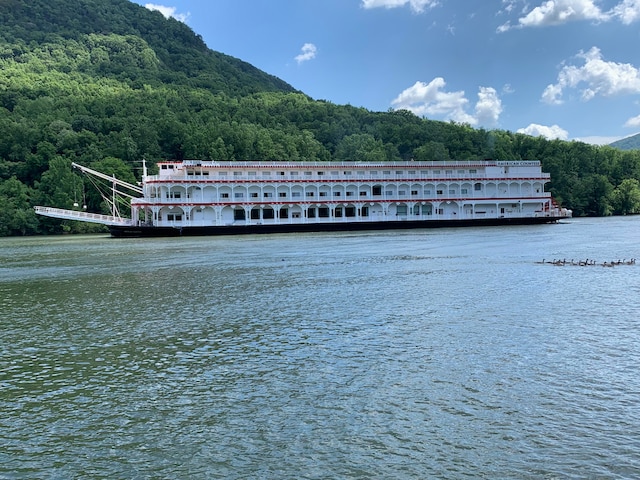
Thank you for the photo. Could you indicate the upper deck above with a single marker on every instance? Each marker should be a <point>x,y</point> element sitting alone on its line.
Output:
<point>192,170</point>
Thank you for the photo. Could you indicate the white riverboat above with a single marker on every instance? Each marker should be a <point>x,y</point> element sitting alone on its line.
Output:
<point>208,198</point>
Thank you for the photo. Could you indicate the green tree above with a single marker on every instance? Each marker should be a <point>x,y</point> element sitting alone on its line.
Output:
<point>17,217</point>
<point>625,199</point>
<point>360,148</point>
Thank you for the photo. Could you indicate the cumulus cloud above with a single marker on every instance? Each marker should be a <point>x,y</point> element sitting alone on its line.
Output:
<point>633,122</point>
<point>430,100</point>
<point>308,52</point>
<point>600,78</point>
<point>628,11</point>
<point>417,6</point>
<point>553,132</point>
<point>559,12</point>
<point>168,12</point>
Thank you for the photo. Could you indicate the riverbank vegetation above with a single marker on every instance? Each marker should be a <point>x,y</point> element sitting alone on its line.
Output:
<point>106,83</point>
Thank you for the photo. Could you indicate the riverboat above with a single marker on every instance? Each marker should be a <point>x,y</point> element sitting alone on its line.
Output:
<point>210,198</point>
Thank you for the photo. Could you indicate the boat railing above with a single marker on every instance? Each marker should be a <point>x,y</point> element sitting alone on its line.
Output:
<point>82,216</point>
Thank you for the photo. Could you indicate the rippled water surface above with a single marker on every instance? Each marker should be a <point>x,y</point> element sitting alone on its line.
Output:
<point>450,353</point>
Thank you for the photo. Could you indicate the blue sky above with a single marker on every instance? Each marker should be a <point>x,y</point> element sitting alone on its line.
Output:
<point>567,69</point>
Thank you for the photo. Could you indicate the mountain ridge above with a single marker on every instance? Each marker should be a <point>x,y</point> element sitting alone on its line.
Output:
<point>628,143</point>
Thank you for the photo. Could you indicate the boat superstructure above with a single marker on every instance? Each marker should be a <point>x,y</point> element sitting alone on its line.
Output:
<point>205,197</point>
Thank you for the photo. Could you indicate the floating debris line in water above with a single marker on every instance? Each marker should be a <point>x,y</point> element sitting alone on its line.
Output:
<point>587,263</point>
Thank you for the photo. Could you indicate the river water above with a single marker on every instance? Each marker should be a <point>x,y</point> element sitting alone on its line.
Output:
<point>446,353</point>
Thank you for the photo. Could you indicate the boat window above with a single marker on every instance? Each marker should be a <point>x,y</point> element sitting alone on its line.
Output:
<point>224,195</point>
<point>309,194</point>
<point>284,213</point>
<point>477,187</point>
<point>377,190</point>
<point>268,213</point>
<point>266,174</point>
<point>294,174</point>
<point>473,171</point>
<point>388,193</point>
<point>282,194</point>
<point>463,191</point>
<point>237,174</point>
<point>307,173</point>
<point>436,172</point>
<point>349,194</point>
<point>295,194</point>
<point>320,173</point>
<point>414,192</point>
<point>438,192</point>
<point>336,194</point>
<point>238,195</point>
<point>254,195</point>
<point>402,192</point>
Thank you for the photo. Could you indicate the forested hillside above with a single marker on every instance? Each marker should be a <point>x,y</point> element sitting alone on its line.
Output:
<point>106,83</point>
<point>628,143</point>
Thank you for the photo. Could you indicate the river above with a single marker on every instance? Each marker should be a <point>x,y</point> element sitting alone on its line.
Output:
<point>444,353</point>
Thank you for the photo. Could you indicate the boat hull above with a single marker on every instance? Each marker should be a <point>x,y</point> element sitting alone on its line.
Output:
<point>119,231</point>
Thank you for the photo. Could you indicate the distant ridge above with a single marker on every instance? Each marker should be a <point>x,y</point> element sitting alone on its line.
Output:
<point>628,143</point>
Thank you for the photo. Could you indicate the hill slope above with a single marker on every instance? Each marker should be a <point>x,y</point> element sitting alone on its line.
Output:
<point>180,55</point>
<point>628,143</point>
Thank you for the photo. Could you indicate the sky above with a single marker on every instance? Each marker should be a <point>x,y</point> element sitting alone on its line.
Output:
<point>566,69</point>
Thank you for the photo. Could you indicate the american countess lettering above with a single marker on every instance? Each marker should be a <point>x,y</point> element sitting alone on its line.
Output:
<point>518,163</point>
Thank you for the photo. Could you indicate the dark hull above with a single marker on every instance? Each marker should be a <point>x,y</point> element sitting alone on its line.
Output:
<point>149,231</point>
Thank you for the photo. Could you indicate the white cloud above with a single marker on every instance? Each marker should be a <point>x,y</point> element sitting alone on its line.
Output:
<point>628,11</point>
<point>596,140</point>
<point>601,78</point>
<point>430,100</point>
<point>559,12</point>
<point>553,132</point>
<point>168,12</point>
<point>417,6</point>
<point>489,107</point>
<point>308,52</point>
<point>633,122</point>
